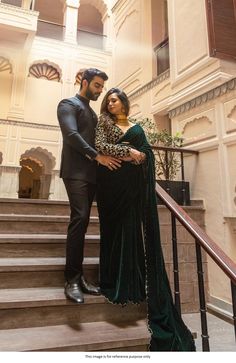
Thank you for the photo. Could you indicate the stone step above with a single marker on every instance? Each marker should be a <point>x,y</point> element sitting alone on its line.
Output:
<point>40,272</point>
<point>38,206</point>
<point>10,223</point>
<point>42,245</point>
<point>83,337</point>
<point>32,307</point>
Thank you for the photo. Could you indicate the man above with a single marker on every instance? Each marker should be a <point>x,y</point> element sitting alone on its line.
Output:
<point>78,170</point>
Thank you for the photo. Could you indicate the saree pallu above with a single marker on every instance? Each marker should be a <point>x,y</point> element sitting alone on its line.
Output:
<point>132,267</point>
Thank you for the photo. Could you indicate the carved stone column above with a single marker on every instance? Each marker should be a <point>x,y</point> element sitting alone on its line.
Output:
<point>57,189</point>
<point>45,181</point>
<point>26,4</point>
<point>9,181</point>
<point>107,30</point>
<point>16,110</point>
<point>71,20</point>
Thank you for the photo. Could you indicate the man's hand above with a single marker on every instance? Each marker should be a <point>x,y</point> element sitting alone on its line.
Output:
<point>137,156</point>
<point>109,161</point>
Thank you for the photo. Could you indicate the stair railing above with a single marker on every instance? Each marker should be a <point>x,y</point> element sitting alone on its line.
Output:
<point>202,241</point>
<point>181,151</point>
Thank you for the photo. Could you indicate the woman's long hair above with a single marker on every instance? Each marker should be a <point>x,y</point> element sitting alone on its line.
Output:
<point>123,98</point>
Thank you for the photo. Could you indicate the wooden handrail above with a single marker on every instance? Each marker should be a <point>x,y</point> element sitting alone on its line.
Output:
<point>212,249</point>
<point>175,149</point>
<point>163,43</point>
<point>51,23</point>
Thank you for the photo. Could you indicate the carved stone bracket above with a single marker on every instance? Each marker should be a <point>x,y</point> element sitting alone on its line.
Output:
<point>232,223</point>
<point>162,77</point>
<point>18,10</point>
<point>208,96</point>
<point>29,124</point>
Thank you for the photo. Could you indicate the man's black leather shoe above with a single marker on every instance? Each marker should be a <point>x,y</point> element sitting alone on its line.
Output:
<point>89,288</point>
<point>74,292</point>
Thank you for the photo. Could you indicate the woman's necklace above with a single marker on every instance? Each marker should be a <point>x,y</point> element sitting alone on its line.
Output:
<point>122,120</point>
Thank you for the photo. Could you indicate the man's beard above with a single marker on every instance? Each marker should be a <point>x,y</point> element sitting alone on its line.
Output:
<point>92,96</point>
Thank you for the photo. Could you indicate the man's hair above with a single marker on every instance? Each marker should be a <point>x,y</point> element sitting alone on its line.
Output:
<point>90,73</point>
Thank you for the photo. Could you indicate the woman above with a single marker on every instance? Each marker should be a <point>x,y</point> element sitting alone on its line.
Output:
<point>131,260</point>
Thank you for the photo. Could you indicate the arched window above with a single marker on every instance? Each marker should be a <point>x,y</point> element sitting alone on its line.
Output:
<point>90,26</point>
<point>51,18</point>
<point>35,174</point>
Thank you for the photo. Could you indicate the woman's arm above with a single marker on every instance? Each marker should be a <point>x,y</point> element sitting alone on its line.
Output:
<point>102,145</point>
<point>123,152</point>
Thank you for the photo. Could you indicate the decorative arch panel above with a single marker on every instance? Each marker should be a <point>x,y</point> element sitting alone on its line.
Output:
<point>45,70</point>
<point>42,156</point>
<point>79,76</point>
<point>5,65</point>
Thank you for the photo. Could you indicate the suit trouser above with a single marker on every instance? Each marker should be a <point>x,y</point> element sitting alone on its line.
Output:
<point>81,195</point>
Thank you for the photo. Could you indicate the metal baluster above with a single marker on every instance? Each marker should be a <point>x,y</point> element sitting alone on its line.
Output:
<point>167,165</point>
<point>233,291</point>
<point>182,165</point>
<point>183,177</point>
<point>204,335</point>
<point>175,264</point>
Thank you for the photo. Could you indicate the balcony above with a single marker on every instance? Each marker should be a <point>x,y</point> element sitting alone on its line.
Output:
<point>17,26</point>
<point>56,31</point>
<point>91,40</point>
<point>50,30</point>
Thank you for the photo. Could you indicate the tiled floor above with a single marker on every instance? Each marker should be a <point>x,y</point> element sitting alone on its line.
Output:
<point>221,333</point>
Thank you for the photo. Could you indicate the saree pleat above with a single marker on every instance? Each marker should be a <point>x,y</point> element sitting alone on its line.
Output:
<point>131,260</point>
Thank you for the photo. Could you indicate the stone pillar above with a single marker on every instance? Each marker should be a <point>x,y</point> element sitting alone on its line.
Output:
<point>26,4</point>
<point>9,181</point>
<point>71,20</point>
<point>16,110</point>
<point>107,30</point>
<point>45,181</point>
<point>57,189</point>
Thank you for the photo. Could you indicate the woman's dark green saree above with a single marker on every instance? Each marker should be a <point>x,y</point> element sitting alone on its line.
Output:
<point>131,261</point>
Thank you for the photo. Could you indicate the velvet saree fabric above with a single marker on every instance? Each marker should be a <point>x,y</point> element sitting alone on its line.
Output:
<point>132,267</point>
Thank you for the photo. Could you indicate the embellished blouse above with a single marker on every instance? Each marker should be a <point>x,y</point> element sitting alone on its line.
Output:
<point>106,138</point>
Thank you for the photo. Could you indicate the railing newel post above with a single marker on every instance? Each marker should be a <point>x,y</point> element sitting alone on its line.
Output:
<point>233,291</point>
<point>202,300</point>
<point>202,240</point>
<point>175,264</point>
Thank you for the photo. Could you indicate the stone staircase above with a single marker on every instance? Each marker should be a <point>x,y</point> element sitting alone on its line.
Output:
<point>34,314</point>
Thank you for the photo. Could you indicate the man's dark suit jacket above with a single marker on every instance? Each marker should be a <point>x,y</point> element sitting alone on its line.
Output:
<point>78,122</point>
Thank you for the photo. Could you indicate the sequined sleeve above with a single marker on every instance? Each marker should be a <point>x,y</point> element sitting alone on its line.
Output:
<point>105,139</point>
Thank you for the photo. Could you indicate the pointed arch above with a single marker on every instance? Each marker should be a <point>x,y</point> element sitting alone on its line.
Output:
<point>36,173</point>
<point>100,5</point>
<point>43,156</point>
